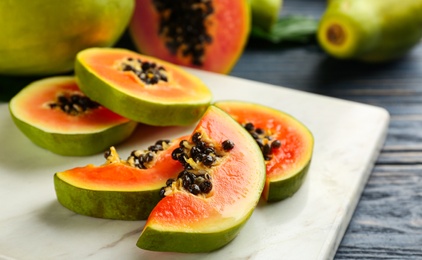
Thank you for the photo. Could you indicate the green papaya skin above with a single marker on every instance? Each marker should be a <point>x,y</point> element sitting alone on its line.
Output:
<point>109,205</point>
<point>75,144</point>
<point>43,37</point>
<point>265,12</point>
<point>372,31</point>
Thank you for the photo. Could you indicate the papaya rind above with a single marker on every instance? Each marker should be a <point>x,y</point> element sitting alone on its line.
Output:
<point>283,189</point>
<point>119,205</point>
<point>75,144</point>
<point>136,108</point>
<point>58,30</point>
<point>183,242</point>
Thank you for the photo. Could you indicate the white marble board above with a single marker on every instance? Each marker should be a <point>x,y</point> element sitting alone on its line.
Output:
<point>310,225</point>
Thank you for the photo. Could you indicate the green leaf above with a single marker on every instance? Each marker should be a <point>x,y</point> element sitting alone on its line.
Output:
<point>292,28</point>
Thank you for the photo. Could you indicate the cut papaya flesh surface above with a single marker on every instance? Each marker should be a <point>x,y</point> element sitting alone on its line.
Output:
<point>32,106</point>
<point>183,222</point>
<point>116,189</point>
<point>179,99</point>
<point>54,114</point>
<point>289,164</point>
<point>228,27</point>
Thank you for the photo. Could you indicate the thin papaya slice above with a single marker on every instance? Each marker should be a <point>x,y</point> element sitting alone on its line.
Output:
<point>141,88</point>
<point>226,164</point>
<point>55,115</point>
<point>373,31</point>
<point>119,189</point>
<point>286,145</point>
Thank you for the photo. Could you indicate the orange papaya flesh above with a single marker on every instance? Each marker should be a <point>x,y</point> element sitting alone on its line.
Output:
<point>288,164</point>
<point>118,189</point>
<point>76,130</point>
<point>177,98</point>
<point>224,30</point>
<point>183,222</point>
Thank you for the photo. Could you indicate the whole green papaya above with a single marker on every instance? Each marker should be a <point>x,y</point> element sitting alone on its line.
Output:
<point>370,30</point>
<point>42,37</point>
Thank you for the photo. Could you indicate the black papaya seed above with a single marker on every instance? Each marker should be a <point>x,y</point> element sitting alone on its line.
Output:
<point>249,127</point>
<point>196,137</point>
<point>205,186</point>
<point>228,145</point>
<point>162,192</point>
<point>276,144</point>
<point>194,189</point>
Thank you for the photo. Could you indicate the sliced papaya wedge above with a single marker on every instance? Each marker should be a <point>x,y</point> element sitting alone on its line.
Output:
<point>119,189</point>
<point>226,163</point>
<point>286,145</point>
<point>142,88</point>
<point>54,114</point>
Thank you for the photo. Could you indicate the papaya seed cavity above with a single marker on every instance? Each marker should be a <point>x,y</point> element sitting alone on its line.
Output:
<point>183,24</point>
<point>142,159</point>
<point>197,156</point>
<point>264,139</point>
<point>336,34</point>
<point>148,72</point>
<point>73,103</point>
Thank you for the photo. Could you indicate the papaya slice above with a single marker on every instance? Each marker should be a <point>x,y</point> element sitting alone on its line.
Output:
<point>226,163</point>
<point>208,35</point>
<point>141,88</point>
<point>119,189</point>
<point>286,145</point>
<point>54,114</point>
<point>371,31</point>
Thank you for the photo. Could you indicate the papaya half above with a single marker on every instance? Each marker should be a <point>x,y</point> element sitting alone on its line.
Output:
<point>54,114</point>
<point>208,35</point>
<point>119,189</point>
<point>373,31</point>
<point>286,145</point>
<point>43,37</point>
<point>213,197</point>
<point>141,88</point>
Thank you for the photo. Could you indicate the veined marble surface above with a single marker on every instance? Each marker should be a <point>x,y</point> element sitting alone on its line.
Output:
<point>310,225</point>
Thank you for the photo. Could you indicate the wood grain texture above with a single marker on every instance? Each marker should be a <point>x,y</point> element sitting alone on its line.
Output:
<point>387,223</point>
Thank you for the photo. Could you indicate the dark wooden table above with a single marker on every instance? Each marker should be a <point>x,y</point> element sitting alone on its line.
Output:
<point>387,223</point>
